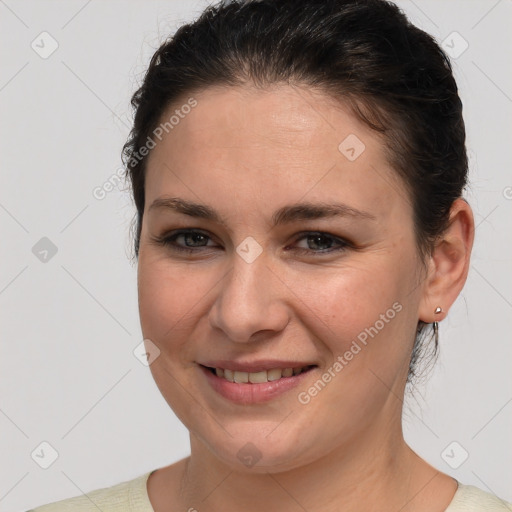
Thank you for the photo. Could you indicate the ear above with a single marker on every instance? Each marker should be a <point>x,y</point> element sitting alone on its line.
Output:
<point>448,264</point>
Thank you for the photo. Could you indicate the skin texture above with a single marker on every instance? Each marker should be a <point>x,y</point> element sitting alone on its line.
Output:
<point>246,153</point>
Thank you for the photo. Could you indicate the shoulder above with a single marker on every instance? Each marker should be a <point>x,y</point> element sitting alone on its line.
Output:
<point>130,495</point>
<point>472,499</point>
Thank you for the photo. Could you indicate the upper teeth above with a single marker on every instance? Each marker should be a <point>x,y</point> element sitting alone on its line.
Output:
<point>257,377</point>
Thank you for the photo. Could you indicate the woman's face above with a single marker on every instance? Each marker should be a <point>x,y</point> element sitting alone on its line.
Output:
<point>264,284</point>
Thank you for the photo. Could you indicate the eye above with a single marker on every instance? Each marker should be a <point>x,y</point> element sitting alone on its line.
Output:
<point>194,241</point>
<point>321,243</point>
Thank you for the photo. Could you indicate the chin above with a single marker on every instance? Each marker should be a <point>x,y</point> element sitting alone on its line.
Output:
<point>259,450</point>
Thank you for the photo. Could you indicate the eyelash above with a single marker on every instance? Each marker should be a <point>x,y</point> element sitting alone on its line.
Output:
<point>169,240</point>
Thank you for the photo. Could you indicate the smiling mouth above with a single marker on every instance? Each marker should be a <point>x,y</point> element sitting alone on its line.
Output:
<point>261,377</point>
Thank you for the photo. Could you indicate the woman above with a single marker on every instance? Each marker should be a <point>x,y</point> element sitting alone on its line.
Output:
<point>298,170</point>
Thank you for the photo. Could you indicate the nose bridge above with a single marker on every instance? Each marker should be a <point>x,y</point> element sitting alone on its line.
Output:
<point>248,300</point>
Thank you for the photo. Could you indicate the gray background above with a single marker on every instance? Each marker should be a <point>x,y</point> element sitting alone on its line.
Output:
<point>69,324</point>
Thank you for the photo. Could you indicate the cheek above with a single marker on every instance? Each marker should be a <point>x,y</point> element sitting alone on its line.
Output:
<point>365,315</point>
<point>342,302</point>
<point>362,320</point>
<point>166,299</point>
<point>167,304</point>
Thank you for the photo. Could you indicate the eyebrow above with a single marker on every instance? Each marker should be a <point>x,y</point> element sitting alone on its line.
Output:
<point>286,214</point>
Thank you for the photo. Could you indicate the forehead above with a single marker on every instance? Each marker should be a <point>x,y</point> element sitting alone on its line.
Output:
<point>266,143</point>
<point>243,117</point>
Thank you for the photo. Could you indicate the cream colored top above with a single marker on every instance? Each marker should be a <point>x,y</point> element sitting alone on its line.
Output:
<point>132,496</point>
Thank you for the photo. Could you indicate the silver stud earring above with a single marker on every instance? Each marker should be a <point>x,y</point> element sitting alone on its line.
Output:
<point>438,310</point>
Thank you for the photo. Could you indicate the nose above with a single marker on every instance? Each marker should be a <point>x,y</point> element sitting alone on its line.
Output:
<point>249,301</point>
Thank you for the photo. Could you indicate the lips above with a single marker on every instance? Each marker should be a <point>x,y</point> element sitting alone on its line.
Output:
<point>257,382</point>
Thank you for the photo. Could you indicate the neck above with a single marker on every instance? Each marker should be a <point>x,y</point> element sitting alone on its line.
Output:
<point>376,469</point>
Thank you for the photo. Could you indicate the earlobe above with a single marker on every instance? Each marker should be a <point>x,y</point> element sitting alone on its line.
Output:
<point>449,264</point>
